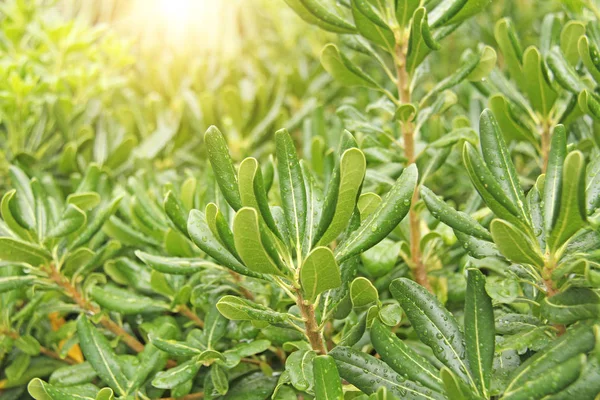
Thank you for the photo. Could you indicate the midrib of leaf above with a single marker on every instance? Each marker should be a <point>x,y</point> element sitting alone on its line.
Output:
<point>105,362</point>
<point>302,367</point>
<point>293,193</point>
<point>480,366</point>
<point>407,355</point>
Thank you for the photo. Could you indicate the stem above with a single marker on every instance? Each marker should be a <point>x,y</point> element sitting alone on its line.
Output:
<point>109,324</point>
<point>545,144</point>
<point>312,331</point>
<point>408,136</point>
<point>190,396</point>
<point>185,310</point>
<point>44,350</point>
<point>551,290</point>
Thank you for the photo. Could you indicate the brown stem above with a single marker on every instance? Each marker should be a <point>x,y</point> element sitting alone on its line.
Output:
<point>310,324</point>
<point>185,310</point>
<point>408,136</point>
<point>551,289</point>
<point>238,279</point>
<point>545,144</point>
<point>71,291</point>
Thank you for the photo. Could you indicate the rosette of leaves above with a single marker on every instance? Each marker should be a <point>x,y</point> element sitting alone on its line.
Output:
<point>304,247</point>
<point>535,99</point>
<point>466,363</point>
<point>398,37</point>
<point>545,234</point>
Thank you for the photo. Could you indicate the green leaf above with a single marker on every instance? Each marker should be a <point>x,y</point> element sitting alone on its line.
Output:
<point>24,205</point>
<point>219,379</point>
<point>455,219</point>
<point>222,165</point>
<point>592,184</point>
<point>8,283</point>
<point>253,194</point>
<point>571,344</point>
<point>173,265</point>
<point>352,172</point>
<point>569,39</point>
<point>314,12</point>
<point>85,200</point>
<point>554,177</point>
<point>588,53</point>
<point>552,381</point>
<point>571,306</point>
<point>564,73</point>
<point>434,325</point>
<point>291,186</point>
<point>393,208</point>
<point>572,214</point>
<point>487,62</point>
<point>178,375</point>
<point>125,302</point>
<point>479,330</point>
<point>319,272</point>
<point>420,42</point>
<point>512,128</point>
<point>507,39</point>
<point>362,292</point>
<point>70,221</point>
<point>498,160</point>
<point>343,70</point>
<point>536,83</point>
<point>41,390</point>
<point>450,12</point>
<point>369,374</point>
<point>95,224</point>
<point>455,388</point>
<point>176,212</point>
<point>16,250</point>
<point>405,9</point>
<point>203,238</point>
<point>371,26</point>
<point>9,219</point>
<point>514,244</point>
<point>299,366</point>
<point>238,309</point>
<point>404,360</point>
<point>249,243</point>
<point>98,353</point>
<point>327,384</point>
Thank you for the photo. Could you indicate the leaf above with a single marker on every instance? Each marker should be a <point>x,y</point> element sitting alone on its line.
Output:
<point>486,64</point>
<point>95,224</point>
<point>588,53</point>
<point>203,238</point>
<point>41,390</point>
<point>253,194</point>
<point>8,283</point>
<point>498,160</point>
<point>24,205</point>
<point>511,126</point>
<point>550,382</point>
<point>455,219</point>
<point>173,265</point>
<point>362,292</point>
<point>564,73</point>
<point>479,330</point>
<point>507,39</point>
<point>299,366</point>
<point>514,244</point>
<point>489,189</point>
<point>343,70</point>
<point>393,208</point>
<point>249,244</point>
<point>420,41</point>
<point>98,353</point>
<point>592,184</point>
<point>176,212</point>
<point>70,221</point>
<point>237,309</point>
<point>554,177</point>
<point>178,375</point>
<point>314,12</point>
<point>291,185</point>
<point>404,360</point>
<point>370,25</point>
<point>572,214</point>
<point>456,11</point>
<point>222,165</point>
<point>405,10</point>
<point>352,172</point>
<point>369,374</point>
<point>319,272</point>
<point>455,389</point>
<point>571,306</point>
<point>576,341</point>
<point>434,325</point>
<point>84,200</point>
<point>380,259</point>
<point>16,250</point>
<point>540,93</point>
<point>124,301</point>
<point>569,38</point>
<point>219,379</point>
<point>327,384</point>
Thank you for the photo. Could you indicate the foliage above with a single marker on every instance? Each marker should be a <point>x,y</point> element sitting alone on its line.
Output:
<point>373,200</point>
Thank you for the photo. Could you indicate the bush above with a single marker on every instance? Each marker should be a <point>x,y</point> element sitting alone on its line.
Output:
<point>413,212</point>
